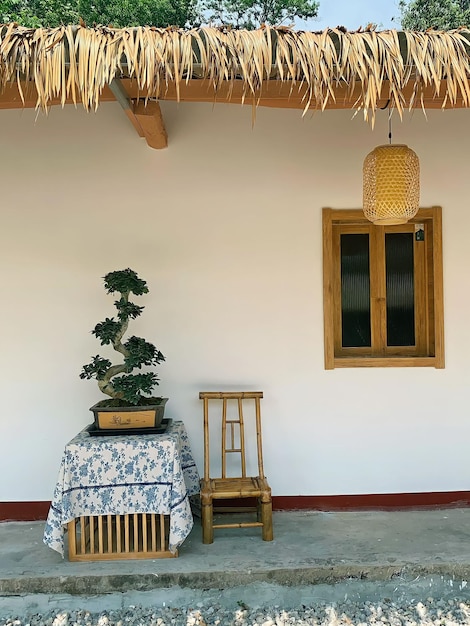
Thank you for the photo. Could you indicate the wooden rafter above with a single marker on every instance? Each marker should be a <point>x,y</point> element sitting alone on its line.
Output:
<point>146,117</point>
<point>150,119</point>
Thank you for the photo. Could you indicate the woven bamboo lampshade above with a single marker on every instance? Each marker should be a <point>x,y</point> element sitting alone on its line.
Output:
<point>391,184</point>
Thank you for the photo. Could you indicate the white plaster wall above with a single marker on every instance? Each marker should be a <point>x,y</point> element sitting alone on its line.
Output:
<point>225,226</point>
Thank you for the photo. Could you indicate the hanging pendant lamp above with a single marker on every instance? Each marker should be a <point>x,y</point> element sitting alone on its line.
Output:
<point>391,183</point>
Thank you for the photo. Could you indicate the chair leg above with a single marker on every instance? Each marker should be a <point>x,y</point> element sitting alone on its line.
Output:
<point>267,520</point>
<point>207,520</point>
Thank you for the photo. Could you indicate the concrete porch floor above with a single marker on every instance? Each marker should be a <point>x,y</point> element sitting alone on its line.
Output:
<point>309,548</point>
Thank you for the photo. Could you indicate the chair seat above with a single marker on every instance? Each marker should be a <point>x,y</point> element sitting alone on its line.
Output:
<point>249,487</point>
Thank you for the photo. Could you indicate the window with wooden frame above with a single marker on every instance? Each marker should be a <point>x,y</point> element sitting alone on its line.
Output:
<point>382,290</point>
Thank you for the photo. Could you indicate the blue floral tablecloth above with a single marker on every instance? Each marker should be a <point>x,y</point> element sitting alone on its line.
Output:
<point>120,474</point>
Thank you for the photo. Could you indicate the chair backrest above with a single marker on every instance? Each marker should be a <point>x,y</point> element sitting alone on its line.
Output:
<point>233,429</point>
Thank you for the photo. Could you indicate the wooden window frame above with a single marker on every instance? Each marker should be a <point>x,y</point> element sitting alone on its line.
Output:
<point>433,320</point>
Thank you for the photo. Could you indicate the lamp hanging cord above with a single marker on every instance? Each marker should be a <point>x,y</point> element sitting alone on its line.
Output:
<point>390,111</point>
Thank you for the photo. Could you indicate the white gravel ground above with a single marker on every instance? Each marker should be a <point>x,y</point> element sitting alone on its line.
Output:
<point>431,612</point>
<point>404,601</point>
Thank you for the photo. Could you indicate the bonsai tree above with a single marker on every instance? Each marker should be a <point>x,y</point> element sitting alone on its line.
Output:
<point>117,381</point>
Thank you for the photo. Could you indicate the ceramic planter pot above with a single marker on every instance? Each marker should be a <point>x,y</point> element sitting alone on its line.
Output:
<point>116,417</point>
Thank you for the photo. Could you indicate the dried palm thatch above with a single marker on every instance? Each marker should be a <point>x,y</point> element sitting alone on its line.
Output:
<point>75,62</point>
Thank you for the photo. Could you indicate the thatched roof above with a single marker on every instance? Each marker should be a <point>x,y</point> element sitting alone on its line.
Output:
<point>75,62</point>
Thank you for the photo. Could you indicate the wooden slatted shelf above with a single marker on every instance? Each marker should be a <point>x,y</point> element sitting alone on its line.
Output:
<point>114,537</point>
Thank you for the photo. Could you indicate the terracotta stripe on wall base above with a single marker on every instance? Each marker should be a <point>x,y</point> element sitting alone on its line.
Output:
<point>23,511</point>
<point>30,511</point>
<point>377,501</point>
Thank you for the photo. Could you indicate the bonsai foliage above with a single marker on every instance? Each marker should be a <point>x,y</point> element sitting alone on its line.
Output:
<point>117,381</point>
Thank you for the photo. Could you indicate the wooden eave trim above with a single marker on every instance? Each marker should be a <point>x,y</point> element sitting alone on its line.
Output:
<point>273,93</point>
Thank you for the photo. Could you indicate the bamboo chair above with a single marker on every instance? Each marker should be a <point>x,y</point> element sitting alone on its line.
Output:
<point>243,486</point>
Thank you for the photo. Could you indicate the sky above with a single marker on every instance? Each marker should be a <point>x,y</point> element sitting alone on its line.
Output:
<point>354,13</point>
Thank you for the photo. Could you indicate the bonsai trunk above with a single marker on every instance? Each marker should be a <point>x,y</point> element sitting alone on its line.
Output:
<point>105,384</point>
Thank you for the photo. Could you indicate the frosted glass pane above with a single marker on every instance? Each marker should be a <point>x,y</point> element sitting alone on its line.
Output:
<point>400,289</point>
<point>355,291</point>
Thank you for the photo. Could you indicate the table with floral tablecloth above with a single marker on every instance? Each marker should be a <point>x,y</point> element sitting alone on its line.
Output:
<point>119,474</point>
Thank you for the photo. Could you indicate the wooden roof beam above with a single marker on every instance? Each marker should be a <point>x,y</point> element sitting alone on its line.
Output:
<point>150,118</point>
<point>146,118</point>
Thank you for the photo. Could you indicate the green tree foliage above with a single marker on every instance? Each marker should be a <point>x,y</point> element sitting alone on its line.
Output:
<point>439,14</point>
<point>35,13</point>
<point>117,13</point>
<point>252,13</point>
<point>121,13</point>
<point>161,13</point>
